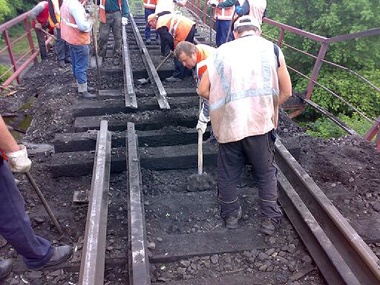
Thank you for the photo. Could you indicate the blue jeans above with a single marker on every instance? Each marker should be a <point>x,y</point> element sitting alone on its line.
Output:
<point>80,56</point>
<point>63,49</point>
<point>147,12</point>
<point>221,28</point>
<point>259,151</point>
<point>15,224</point>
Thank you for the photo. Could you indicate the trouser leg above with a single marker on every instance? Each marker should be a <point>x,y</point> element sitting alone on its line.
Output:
<point>60,47</point>
<point>147,12</point>
<point>15,224</point>
<point>41,43</point>
<point>104,29</point>
<point>230,165</point>
<point>116,30</point>
<point>80,57</point>
<point>260,153</point>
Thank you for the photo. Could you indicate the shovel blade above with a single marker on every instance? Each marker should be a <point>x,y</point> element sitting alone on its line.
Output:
<point>93,61</point>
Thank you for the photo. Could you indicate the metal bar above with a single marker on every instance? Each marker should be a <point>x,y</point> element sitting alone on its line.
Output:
<point>139,262</point>
<point>93,255</point>
<point>161,95</point>
<point>355,252</point>
<point>129,91</point>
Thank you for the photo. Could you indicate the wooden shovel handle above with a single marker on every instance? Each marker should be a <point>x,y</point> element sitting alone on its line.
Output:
<point>200,152</point>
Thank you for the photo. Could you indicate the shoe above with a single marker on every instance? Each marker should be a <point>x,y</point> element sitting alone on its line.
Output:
<point>68,60</point>
<point>232,221</point>
<point>61,254</point>
<point>61,64</point>
<point>267,226</point>
<point>5,267</point>
<point>173,79</point>
<point>148,41</point>
<point>86,95</point>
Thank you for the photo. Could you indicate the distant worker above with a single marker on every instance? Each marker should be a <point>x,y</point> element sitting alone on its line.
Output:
<point>223,18</point>
<point>39,15</point>
<point>76,28</point>
<point>194,56</point>
<point>149,9</point>
<point>113,15</point>
<point>173,29</point>
<point>62,48</point>
<point>168,5</point>
<point>246,82</point>
<point>38,253</point>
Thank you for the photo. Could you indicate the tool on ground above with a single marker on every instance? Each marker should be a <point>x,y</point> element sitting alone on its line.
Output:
<point>200,181</point>
<point>146,80</point>
<point>44,202</point>
<point>48,34</point>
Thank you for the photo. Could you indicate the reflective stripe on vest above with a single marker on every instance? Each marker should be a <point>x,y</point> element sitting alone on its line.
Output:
<point>69,29</point>
<point>150,4</point>
<point>224,13</point>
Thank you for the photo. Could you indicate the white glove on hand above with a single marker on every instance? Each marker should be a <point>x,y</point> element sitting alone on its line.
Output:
<point>18,160</point>
<point>38,26</point>
<point>213,3</point>
<point>124,21</point>
<point>202,122</point>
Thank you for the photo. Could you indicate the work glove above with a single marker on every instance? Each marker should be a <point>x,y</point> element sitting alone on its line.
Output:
<point>38,26</point>
<point>202,122</point>
<point>213,3</point>
<point>18,160</point>
<point>124,21</point>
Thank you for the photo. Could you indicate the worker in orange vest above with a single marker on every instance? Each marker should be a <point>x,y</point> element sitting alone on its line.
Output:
<point>62,48</point>
<point>39,15</point>
<point>149,8</point>
<point>223,19</point>
<point>113,14</point>
<point>173,29</point>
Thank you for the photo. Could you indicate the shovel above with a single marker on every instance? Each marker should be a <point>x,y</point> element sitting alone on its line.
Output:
<point>146,80</point>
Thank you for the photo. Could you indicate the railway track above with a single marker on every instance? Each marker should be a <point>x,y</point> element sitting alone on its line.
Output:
<point>137,143</point>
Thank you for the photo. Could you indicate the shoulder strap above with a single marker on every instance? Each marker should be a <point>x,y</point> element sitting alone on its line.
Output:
<point>277,52</point>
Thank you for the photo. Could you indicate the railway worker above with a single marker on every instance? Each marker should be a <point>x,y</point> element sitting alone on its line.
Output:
<point>194,56</point>
<point>149,9</point>
<point>173,29</point>
<point>245,90</point>
<point>39,15</point>
<point>223,17</point>
<point>113,15</point>
<point>62,48</point>
<point>15,226</point>
<point>76,28</point>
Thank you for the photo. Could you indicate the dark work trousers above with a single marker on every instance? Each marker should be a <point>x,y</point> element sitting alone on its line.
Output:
<point>181,71</point>
<point>221,28</point>
<point>15,225</point>
<point>148,29</point>
<point>113,22</point>
<point>62,48</point>
<point>259,151</point>
<point>41,38</point>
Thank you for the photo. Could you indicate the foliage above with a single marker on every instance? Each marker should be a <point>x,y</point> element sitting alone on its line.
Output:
<point>12,8</point>
<point>3,70</point>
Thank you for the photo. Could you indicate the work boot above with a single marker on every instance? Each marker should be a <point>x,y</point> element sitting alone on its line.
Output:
<point>61,64</point>
<point>5,267</point>
<point>68,60</point>
<point>83,92</point>
<point>232,221</point>
<point>61,254</point>
<point>267,226</point>
<point>148,41</point>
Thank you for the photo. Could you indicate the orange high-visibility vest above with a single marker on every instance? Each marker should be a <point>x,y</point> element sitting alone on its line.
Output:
<point>69,29</point>
<point>224,13</point>
<point>179,26</point>
<point>57,13</point>
<point>150,4</point>
<point>102,11</point>
<point>202,52</point>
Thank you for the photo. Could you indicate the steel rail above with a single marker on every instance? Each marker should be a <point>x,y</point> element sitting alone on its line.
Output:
<point>340,253</point>
<point>129,91</point>
<point>93,255</point>
<point>139,273</point>
<point>161,95</point>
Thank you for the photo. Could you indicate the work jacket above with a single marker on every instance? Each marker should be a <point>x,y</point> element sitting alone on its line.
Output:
<point>178,27</point>
<point>75,31</point>
<point>244,89</point>
<point>102,10</point>
<point>202,53</point>
<point>224,13</point>
<point>40,14</point>
<point>150,4</point>
<point>54,12</point>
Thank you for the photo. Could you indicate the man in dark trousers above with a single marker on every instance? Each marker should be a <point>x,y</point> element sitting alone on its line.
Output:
<point>15,227</point>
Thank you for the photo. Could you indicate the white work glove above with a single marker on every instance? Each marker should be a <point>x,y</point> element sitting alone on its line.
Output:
<point>213,3</point>
<point>38,26</point>
<point>202,122</point>
<point>124,21</point>
<point>18,160</point>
